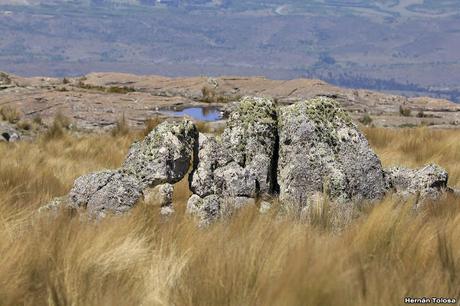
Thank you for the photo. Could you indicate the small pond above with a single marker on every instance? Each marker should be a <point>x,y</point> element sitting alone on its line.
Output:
<point>208,113</point>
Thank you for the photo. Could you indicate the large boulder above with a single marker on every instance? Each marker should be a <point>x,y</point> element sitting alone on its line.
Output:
<point>105,192</point>
<point>428,182</point>
<point>250,139</point>
<point>164,156</point>
<point>321,150</point>
<point>240,162</point>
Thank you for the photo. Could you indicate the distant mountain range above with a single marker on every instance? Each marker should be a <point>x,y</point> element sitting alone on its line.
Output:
<point>408,46</point>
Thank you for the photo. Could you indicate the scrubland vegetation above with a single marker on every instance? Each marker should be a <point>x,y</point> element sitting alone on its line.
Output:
<point>386,253</point>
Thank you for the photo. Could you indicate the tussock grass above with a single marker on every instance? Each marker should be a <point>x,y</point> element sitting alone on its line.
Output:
<point>416,147</point>
<point>386,252</point>
<point>121,127</point>
<point>150,124</point>
<point>10,114</point>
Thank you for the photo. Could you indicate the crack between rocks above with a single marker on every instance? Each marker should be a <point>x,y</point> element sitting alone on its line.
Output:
<point>275,188</point>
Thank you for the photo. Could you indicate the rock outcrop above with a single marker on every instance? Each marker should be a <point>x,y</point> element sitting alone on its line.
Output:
<point>238,165</point>
<point>303,153</point>
<point>321,150</point>
<point>8,132</point>
<point>164,156</point>
<point>428,182</point>
<point>105,192</point>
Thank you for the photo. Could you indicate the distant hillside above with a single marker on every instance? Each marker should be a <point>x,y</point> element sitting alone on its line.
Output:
<point>406,47</point>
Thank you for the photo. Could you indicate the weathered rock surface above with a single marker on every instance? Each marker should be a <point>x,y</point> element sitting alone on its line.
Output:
<point>207,209</point>
<point>428,181</point>
<point>306,152</point>
<point>8,132</point>
<point>105,192</point>
<point>321,150</point>
<point>96,110</point>
<point>240,163</point>
<point>164,156</point>
<point>250,139</point>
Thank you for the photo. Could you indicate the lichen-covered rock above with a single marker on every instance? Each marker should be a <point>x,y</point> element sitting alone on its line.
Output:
<point>429,181</point>
<point>240,163</point>
<point>321,150</point>
<point>250,139</point>
<point>236,203</point>
<point>105,192</point>
<point>55,205</point>
<point>232,180</point>
<point>207,209</point>
<point>166,194</point>
<point>164,156</point>
<point>210,157</point>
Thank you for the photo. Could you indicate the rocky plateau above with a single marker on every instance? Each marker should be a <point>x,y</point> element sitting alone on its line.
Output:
<point>97,101</point>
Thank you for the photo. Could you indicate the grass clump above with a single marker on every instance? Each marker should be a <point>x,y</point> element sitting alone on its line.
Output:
<point>5,78</point>
<point>37,119</point>
<point>212,95</point>
<point>111,89</point>
<point>10,114</point>
<point>119,90</point>
<point>408,125</point>
<point>121,127</point>
<point>405,111</point>
<point>25,125</point>
<point>61,123</point>
<point>207,127</point>
<point>150,124</point>
<point>366,119</point>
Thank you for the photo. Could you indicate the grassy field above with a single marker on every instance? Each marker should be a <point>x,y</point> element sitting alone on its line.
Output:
<point>385,254</point>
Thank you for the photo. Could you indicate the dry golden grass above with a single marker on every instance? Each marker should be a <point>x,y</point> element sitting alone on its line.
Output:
<point>9,114</point>
<point>386,253</point>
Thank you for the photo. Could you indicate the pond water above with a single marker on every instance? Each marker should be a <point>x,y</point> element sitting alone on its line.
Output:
<point>198,113</point>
